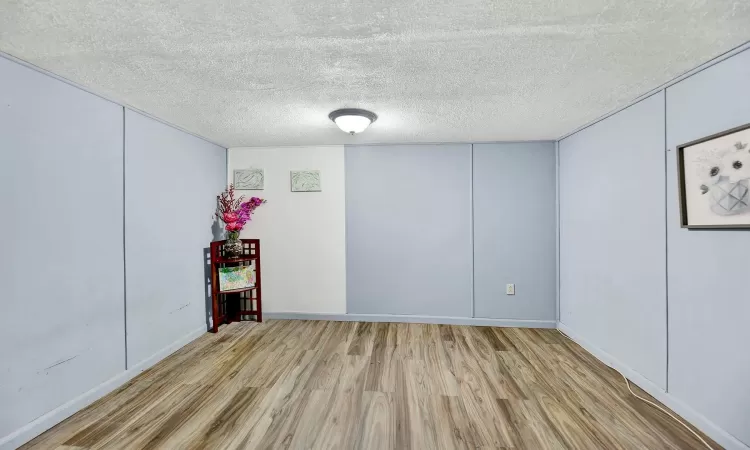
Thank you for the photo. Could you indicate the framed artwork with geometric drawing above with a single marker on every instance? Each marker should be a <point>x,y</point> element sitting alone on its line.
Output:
<point>249,179</point>
<point>714,177</point>
<point>305,180</point>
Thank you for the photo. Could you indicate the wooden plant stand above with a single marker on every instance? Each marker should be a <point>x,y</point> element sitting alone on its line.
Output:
<point>233,306</point>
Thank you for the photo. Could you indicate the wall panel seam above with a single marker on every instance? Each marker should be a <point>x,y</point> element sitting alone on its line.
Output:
<point>666,244</point>
<point>473,263</point>
<point>124,249</point>
<point>557,224</point>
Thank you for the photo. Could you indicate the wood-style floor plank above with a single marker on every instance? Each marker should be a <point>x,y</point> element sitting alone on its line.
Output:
<point>346,385</point>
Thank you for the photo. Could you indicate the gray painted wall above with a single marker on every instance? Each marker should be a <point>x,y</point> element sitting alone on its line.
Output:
<point>515,230</point>
<point>62,256</point>
<point>61,191</point>
<point>170,195</point>
<point>709,294</point>
<point>408,235</point>
<point>612,237</point>
<point>619,307</point>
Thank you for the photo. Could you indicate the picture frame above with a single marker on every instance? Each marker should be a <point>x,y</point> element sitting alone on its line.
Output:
<point>235,278</point>
<point>305,181</point>
<point>252,179</point>
<point>714,180</point>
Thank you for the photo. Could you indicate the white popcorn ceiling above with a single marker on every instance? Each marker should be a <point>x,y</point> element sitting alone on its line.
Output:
<point>268,72</point>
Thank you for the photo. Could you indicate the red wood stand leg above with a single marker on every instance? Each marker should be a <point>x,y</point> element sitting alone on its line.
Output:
<point>214,295</point>
<point>258,291</point>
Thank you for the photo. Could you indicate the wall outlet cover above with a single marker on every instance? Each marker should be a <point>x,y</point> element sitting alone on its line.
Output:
<point>510,289</point>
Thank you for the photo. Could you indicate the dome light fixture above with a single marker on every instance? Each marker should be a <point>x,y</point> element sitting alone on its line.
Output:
<point>352,120</point>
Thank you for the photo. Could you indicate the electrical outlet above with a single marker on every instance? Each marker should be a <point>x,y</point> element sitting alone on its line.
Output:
<point>510,289</point>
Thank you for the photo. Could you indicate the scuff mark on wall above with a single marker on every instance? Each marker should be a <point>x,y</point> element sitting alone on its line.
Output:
<point>181,307</point>
<point>60,362</point>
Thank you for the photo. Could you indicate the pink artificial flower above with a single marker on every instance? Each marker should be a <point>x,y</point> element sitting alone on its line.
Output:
<point>230,217</point>
<point>242,217</point>
<point>233,226</point>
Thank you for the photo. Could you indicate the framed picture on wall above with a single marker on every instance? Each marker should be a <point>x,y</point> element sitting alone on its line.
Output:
<point>714,176</point>
<point>249,179</point>
<point>305,180</point>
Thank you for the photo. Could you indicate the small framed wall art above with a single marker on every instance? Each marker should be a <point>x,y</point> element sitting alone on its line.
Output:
<point>305,180</point>
<point>249,179</point>
<point>237,277</point>
<point>714,177</point>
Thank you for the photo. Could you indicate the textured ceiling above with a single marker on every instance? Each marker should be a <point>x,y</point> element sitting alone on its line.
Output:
<point>268,72</point>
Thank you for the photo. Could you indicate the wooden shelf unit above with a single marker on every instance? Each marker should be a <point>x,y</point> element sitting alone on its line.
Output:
<point>234,305</point>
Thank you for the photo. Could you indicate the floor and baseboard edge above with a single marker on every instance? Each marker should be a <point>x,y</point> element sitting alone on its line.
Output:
<point>712,430</point>
<point>62,412</point>
<point>476,321</point>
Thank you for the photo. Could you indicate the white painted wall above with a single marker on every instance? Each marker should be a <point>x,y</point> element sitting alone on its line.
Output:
<point>303,235</point>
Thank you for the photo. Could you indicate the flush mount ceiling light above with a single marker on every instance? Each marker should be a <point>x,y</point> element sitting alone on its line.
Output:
<point>352,120</point>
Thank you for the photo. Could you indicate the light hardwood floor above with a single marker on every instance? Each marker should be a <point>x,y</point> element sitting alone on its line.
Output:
<point>346,385</point>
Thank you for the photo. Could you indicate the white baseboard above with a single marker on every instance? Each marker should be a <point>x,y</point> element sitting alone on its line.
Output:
<point>57,415</point>
<point>517,323</point>
<point>712,430</point>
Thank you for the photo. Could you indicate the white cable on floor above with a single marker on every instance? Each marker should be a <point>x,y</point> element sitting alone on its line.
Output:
<point>627,383</point>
